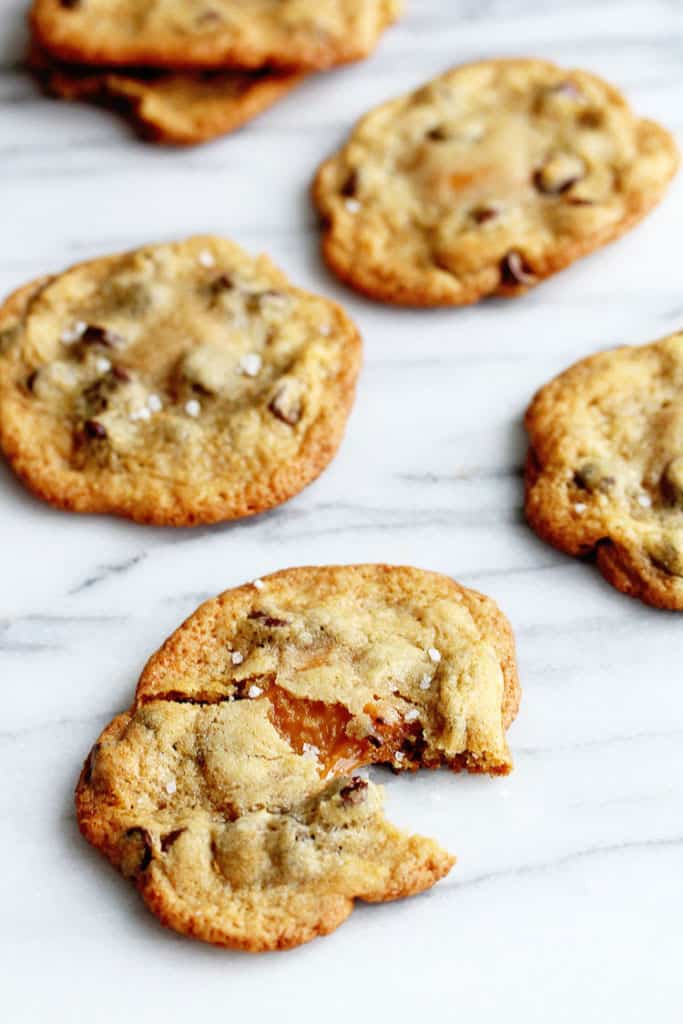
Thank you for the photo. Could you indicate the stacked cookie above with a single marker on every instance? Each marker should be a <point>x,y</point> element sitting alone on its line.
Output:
<point>187,73</point>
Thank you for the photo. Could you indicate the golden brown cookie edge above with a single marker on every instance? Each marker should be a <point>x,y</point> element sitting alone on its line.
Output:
<point>318,450</point>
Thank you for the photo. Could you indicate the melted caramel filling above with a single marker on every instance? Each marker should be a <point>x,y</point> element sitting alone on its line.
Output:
<point>307,724</point>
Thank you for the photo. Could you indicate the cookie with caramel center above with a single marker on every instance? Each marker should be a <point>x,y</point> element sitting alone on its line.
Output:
<point>177,384</point>
<point>486,181</point>
<point>231,793</point>
<point>605,467</point>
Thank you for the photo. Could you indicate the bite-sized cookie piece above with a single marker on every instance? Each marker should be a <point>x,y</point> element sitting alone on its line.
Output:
<point>301,34</point>
<point>605,467</point>
<point>485,181</point>
<point>176,384</point>
<point>178,108</point>
<point>230,791</point>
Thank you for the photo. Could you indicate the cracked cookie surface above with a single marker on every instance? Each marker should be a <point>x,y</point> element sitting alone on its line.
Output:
<point>229,792</point>
<point>178,108</point>
<point>177,384</point>
<point>300,34</point>
<point>486,181</point>
<point>605,467</point>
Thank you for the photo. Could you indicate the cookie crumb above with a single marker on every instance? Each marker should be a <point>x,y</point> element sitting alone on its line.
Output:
<point>236,658</point>
<point>193,408</point>
<point>206,258</point>
<point>434,655</point>
<point>251,364</point>
<point>154,403</point>
<point>254,691</point>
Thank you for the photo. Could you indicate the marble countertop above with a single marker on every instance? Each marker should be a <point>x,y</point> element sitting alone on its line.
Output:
<point>566,903</point>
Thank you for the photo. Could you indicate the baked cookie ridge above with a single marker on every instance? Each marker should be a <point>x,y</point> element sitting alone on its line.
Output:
<point>486,181</point>
<point>233,792</point>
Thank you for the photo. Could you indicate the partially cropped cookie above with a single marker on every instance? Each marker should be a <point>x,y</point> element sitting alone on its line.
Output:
<point>177,384</point>
<point>300,34</point>
<point>605,467</point>
<point>230,791</point>
<point>486,181</point>
<point>174,107</point>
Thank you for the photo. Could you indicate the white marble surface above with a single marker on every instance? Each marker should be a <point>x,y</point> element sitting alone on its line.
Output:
<point>567,902</point>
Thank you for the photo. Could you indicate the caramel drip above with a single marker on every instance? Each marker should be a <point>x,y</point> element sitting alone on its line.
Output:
<point>302,721</point>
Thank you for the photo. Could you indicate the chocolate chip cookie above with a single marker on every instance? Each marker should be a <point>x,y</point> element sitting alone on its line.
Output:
<point>301,34</point>
<point>231,792</point>
<point>605,467</point>
<point>178,108</point>
<point>486,181</point>
<point>176,384</point>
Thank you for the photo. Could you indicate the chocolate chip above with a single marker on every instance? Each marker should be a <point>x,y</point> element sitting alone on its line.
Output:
<point>267,620</point>
<point>120,373</point>
<point>286,406</point>
<point>137,853</point>
<point>69,4</point>
<point>209,17</point>
<point>169,839</point>
<point>591,119</point>
<point>30,380</point>
<point>350,186</point>
<point>374,741</point>
<point>672,481</point>
<point>95,429</point>
<point>515,270</point>
<point>438,134</point>
<point>558,174</point>
<point>482,214</point>
<point>222,283</point>
<point>355,792</point>
<point>96,335</point>
<point>592,477</point>
<point>554,189</point>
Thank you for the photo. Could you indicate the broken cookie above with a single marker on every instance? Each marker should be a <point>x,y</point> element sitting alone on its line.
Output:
<point>230,792</point>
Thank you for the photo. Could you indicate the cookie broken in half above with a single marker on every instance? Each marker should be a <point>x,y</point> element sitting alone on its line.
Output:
<point>230,792</point>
